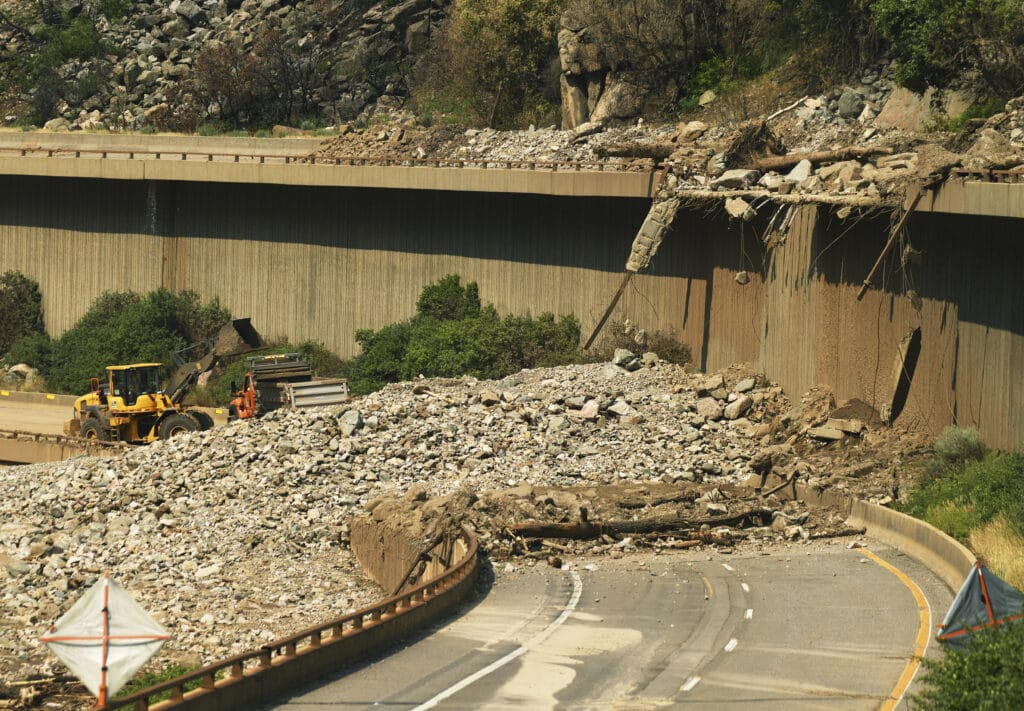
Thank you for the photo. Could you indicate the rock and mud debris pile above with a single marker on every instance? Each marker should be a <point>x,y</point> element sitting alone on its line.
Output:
<point>864,145</point>
<point>237,535</point>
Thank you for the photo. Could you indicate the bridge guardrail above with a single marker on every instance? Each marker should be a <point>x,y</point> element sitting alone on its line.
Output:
<point>253,678</point>
<point>626,165</point>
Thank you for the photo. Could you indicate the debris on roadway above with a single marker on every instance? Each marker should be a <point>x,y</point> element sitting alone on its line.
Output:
<point>238,535</point>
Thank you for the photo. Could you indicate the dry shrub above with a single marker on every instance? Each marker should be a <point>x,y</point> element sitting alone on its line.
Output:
<point>623,334</point>
<point>1000,546</point>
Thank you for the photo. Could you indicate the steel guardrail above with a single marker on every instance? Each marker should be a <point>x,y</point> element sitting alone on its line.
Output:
<point>624,165</point>
<point>218,679</point>
<point>991,176</point>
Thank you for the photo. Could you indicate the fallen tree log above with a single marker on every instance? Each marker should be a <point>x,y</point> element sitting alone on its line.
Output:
<point>635,149</point>
<point>838,533</point>
<point>790,161</point>
<point>592,529</point>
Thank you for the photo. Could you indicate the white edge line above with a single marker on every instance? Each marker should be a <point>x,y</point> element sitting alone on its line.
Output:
<point>732,644</point>
<point>692,682</point>
<point>728,567</point>
<point>577,592</point>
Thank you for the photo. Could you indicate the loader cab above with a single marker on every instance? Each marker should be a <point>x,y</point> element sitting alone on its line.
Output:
<point>130,382</point>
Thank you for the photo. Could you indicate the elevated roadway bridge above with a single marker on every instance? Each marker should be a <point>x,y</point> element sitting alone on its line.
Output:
<point>317,250</point>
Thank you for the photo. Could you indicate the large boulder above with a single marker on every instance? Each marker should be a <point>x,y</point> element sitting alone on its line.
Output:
<point>620,99</point>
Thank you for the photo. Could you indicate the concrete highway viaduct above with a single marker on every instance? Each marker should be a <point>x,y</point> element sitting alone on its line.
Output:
<point>316,251</point>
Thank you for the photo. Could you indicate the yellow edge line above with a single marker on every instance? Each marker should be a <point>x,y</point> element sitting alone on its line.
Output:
<point>923,633</point>
<point>708,588</point>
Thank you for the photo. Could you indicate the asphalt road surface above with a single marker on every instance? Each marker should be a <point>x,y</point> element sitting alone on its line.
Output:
<point>807,627</point>
<point>43,418</point>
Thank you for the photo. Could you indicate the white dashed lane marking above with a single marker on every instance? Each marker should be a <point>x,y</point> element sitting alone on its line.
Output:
<point>746,588</point>
<point>731,645</point>
<point>750,614</point>
<point>691,682</point>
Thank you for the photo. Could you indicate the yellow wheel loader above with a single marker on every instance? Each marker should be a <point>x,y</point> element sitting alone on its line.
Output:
<point>132,406</point>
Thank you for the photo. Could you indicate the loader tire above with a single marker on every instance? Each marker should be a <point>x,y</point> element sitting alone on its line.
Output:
<point>176,424</point>
<point>93,429</point>
<point>203,418</point>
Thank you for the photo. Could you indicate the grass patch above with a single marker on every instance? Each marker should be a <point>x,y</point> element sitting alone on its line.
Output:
<point>978,110</point>
<point>148,679</point>
<point>999,543</point>
<point>977,497</point>
<point>972,495</point>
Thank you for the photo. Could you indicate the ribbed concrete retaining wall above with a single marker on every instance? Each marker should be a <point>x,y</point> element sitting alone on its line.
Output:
<point>320,262</point>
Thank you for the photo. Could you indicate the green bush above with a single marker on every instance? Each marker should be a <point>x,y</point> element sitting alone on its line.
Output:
<point>21,308</point>
<point>978,110</point>
<point>935,40</point>
<point>987,674</point>
<point>123,328</point>
<point>954,448</point>
<point>453,334</point>
<point>33,348</point>
<point>972,494</point>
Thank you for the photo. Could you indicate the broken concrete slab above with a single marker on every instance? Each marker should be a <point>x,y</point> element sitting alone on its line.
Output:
<point>740,209</point>
<point>736,179</point>
<point>801,171</point>
<point>850,426</point>
<point>830,434</point>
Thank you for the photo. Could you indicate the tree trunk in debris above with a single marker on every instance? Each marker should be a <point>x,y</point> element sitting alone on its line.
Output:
<point>649,525</point>
<point>635,149</point>
<point>787,162</point>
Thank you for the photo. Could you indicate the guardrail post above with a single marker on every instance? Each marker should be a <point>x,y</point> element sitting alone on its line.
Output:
<point>209,681</point>
<point>314,639</point>
<point>264,662</point>
<point>289,649</point>
<point>141,705</point>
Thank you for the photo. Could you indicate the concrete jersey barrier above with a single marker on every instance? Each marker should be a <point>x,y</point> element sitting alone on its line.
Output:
<point>949,559</point>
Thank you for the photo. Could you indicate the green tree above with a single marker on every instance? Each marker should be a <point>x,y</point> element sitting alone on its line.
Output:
<point>21,308</point>
<point>493,56</point>
<point>123,328</point>
<point>935,40</point>
<point>453,334</point>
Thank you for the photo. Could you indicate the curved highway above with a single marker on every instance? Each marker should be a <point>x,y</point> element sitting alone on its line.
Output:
<point>805,627</point>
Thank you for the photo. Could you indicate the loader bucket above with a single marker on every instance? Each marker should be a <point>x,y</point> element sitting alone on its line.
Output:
<point>236,337</point>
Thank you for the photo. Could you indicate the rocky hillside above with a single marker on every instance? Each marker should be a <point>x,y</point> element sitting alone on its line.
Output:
<point>174,65</point>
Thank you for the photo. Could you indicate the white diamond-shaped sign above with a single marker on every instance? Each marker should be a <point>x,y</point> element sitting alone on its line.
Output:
<point>105,638</point>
